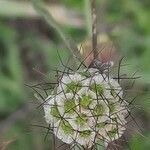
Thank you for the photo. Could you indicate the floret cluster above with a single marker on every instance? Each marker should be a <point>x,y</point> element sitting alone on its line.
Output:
<point>85,107</point>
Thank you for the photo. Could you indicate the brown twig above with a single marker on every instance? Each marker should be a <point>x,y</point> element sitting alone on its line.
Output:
<point>94,28</point>
<point>3,145</point>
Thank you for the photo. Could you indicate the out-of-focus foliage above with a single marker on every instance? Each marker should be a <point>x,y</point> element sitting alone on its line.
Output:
<point>28,44</point>
<point>132,32</point>
<point>11,94</point>
<point>71,3</point>
<point>139,143</point>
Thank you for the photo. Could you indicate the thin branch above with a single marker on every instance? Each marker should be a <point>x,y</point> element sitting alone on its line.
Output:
<point>94,28</point>
<point>5,144</point>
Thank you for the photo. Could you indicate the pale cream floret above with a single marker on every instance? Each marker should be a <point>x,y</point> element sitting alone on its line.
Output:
<point>93,71</point>
<point>48,104</point>
<point>61,104</point>
<point>67,79</point>
<point>119,119</point>
<point>88,141</point>
<point>86,92</point>
<point>99,81</point>
<point>100,127</point>
<point>105,108</point>
<point>117,109</point>
<point>84,123</point>
<point>114,132</point>
<point>115,85</point>
<point>60,134</point>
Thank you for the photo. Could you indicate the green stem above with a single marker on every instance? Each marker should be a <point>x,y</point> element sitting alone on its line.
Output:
<point>94,28</point>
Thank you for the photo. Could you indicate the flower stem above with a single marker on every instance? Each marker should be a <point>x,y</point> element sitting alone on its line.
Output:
<point>94,28</point>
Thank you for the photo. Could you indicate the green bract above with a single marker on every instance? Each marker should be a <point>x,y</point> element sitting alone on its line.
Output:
<point>85,101</point>
<point>81,119</point>
<point>98,110</point>
<point>113,132</point>
<point>73,87</point>
<point>66,127</point>
<point>54,112</point>
<point>101,125</point>
<point>69,106</point>
<point>85,133</point>
<point>97,88</point>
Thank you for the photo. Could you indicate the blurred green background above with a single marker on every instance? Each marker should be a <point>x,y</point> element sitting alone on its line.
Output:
<point>28,49</point>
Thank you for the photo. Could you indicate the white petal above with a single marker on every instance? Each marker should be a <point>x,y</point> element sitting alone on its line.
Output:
<point>87,142</point>
<point>62,136</point>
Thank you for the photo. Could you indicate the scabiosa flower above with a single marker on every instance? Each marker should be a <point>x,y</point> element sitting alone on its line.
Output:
<point>87,106</point>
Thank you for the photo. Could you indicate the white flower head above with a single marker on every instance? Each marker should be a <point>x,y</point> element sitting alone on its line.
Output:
<point>88,106</point>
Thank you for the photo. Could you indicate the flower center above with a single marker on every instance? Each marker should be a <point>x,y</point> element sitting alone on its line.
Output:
<point>113,132</point>
<point>101,125</point>
<point>85,101</point>
<point>73,87</point>
<point>98,110</point>
<point>69,106</point>
<point>81,119</point>
<point>97,88</point>
<point>85,133</point>
<point>55,112</point>
<point>66,127</point>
